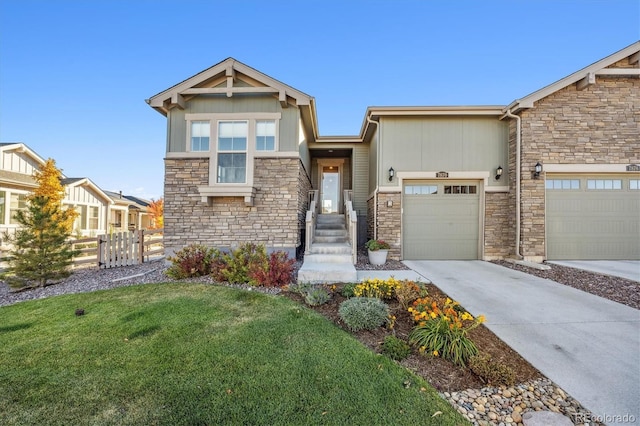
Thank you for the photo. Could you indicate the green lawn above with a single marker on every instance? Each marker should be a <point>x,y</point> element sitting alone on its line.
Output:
<point>186,354</point>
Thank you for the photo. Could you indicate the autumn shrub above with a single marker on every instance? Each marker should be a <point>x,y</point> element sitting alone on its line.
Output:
<point>363,313</point>
<point>375,287</point>
<point>239,262</point>
<point>194,260</point>
<point>277,273</point>
<point>395,348</point>
<point>407,291</point>
<point>492,372</point>
<point>442,329</point>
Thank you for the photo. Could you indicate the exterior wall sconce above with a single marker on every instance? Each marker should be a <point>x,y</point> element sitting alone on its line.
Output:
<point>537,170</point>
<point>392,173</point>
<point>498,172</point>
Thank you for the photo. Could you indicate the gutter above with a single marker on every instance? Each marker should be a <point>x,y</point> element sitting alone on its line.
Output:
<point>518,190</point>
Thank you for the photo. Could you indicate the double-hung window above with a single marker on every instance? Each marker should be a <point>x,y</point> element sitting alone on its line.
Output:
<point>200,134</point>
<point>265,135</point>
<point>232,151</point>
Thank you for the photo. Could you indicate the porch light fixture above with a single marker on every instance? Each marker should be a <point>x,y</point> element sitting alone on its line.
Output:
<point>498,172</point>
<point>392,173</point>
<point>537,170</point>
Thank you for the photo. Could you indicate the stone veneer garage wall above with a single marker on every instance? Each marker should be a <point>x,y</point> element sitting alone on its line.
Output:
<point>598,125</point>
<point>275,220</point>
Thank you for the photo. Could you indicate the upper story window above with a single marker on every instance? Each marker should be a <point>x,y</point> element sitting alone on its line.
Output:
<point>200,134</point>
<point>604,184</point>
<point>265,135</point>
<point>232,151</point>
<point>634,184</point>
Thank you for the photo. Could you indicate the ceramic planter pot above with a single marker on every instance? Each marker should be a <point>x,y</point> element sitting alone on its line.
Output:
<point>378,257</point>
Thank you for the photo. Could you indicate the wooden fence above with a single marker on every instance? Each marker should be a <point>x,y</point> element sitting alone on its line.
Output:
<point>119,248</point>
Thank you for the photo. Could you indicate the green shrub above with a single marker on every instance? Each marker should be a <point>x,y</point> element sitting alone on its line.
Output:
<point>395,348</point>
<point>194,260</point>
<point>492,372</point>
<point>277,273</point>
<point>238,263</point>
<point>436,337</point>
<point>363,313</point>
<point>316,296</point>
<point>347,290</point>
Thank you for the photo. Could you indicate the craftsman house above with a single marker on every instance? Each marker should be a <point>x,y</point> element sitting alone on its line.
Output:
<point>552,175</point>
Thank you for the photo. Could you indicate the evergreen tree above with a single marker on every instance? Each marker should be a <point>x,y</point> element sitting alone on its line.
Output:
<point>41,251</point>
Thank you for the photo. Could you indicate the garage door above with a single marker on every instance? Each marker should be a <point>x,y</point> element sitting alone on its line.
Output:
<point>592,217</point>
<point>440,220</point>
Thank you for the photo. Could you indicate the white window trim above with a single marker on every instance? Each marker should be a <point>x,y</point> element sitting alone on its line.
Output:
<point>246,189</point>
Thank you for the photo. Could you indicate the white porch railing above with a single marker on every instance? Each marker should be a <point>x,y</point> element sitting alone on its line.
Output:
<point>312,215</point>
<point>351,222</point>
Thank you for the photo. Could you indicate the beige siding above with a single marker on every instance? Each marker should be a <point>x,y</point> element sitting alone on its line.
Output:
<point>18,163</point>
<point>444,143</point>
<point>360,185</point>
<point>288,137</point>
<point>79,194</point>
<point>373,161</point>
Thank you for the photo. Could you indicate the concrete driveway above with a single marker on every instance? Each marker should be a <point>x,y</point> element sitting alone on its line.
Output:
<point>589,346</point>
<point>629,269</point>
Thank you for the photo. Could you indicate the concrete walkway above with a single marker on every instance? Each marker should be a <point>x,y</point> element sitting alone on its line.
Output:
<point>629,269</point>
<point>587,345</point>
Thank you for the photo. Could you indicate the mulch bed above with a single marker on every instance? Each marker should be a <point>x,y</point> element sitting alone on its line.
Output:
<point>442,374</point>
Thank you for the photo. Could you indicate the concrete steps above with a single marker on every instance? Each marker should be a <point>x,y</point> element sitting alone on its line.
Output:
<point>329,259</point>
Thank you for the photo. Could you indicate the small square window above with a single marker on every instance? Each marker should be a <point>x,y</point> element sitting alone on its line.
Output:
<point>634,184</point>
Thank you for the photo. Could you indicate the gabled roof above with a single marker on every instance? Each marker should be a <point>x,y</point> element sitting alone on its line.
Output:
<point>89,184</point>
<point>22,148</point>
<point>231,77</point>
<point>586,76</point>
<point>129,200</point>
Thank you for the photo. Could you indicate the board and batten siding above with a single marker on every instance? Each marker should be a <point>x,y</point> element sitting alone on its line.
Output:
<point>444,144</point>
<point>360,185</point>
<point>17,162</point>
<point>288,138</point>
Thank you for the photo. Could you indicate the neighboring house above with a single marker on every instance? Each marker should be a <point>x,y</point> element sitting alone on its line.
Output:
<point>456,182</point>
<point>128,213</point>
<point>17,165</point>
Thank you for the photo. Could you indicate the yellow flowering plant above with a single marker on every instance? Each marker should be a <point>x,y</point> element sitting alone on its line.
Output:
<point>380,289</point>
<point>442,328</point>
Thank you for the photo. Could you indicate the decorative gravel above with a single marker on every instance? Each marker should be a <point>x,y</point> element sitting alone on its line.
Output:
<point>507,405</point>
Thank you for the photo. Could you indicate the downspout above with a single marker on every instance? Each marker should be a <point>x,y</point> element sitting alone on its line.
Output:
<point>518,154</point>
<point>375,193</point>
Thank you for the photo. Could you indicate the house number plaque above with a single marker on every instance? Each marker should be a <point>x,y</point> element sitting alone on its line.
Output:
<point>633,168</point>
<point>442,174</point>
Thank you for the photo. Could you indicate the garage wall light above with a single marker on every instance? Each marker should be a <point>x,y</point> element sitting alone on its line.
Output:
<point>537,170</point>
<point>392,173</point>
<point>498,172</point>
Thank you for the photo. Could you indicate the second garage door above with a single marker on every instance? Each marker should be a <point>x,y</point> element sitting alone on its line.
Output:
<point>440,220</point>
<point>593,217</point>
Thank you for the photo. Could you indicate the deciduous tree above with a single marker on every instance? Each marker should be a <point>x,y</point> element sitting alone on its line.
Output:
<point>156,209</point>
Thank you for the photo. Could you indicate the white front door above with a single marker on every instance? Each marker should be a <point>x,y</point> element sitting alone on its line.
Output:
<point>330,189</point>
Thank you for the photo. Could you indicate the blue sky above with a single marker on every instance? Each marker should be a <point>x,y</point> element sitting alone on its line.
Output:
<point>74,75</point>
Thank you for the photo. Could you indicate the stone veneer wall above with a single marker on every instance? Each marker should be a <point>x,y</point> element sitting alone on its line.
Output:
<point>274,220</point>
<point>598,125</point>
<point>499,226</point>
<point>389,222</point>
<point>370,217</point>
